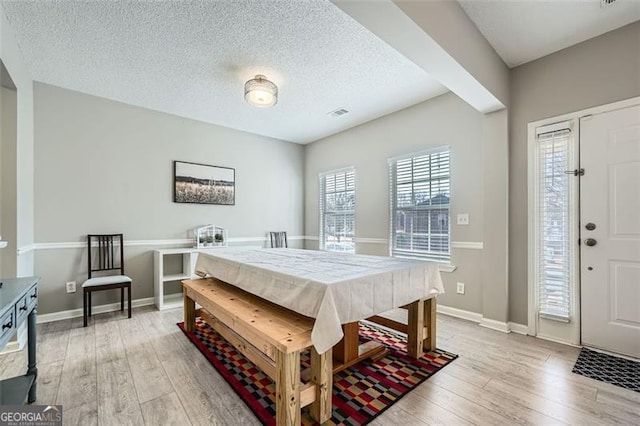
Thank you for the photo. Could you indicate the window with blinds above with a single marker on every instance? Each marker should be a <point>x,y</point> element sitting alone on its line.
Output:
<point>337,210</point>
<point>420,205</point>
<point>556,238</point>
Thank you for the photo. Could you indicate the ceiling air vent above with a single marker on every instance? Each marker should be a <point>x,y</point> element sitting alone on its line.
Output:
<point>338,113</point>
<point>607,3</point>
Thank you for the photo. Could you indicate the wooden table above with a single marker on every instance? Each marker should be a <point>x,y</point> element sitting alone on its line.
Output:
<point>333,288</point>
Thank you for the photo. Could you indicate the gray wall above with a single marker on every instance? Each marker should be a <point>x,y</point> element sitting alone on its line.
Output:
<point>11,58</point>
<point>8,181</point>
<point>103,166</point>
<point>599,71</point>
<point>445,120</point>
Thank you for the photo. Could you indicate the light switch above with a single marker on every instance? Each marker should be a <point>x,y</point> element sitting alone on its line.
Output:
<point>463,218</point>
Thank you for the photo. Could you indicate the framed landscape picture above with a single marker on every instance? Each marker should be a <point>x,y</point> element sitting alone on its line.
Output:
<point>203,184</point>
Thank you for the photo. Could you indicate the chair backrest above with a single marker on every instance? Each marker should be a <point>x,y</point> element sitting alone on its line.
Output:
<point>278,239</point>
<point>108,253</point>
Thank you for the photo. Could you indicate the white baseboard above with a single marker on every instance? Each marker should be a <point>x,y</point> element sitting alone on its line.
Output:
<point>112,307</point>
<point>19,343</point>
<point>519,328</point>
<point>12,346</point>
<point>100,309</point>
<point>459,313</point>
<point>495,325</point>
<point>482,321</point>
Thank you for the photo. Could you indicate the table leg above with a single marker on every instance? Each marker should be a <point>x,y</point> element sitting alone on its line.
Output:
<point>32,369</point>
<point>288,389</point>
<point>322,376</point>
<point>349,351</point>
<point>415,329</point>
<point>189,313</point>
<point>430,324</point>
<point>347,348</point>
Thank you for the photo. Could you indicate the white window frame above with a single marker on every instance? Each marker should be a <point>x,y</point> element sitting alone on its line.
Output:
<point>550,327</point>
<point>321,206</point>
<point>443,258</point>
<point>568,130</point>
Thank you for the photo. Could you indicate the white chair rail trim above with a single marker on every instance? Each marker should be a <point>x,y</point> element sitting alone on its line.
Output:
<point>473,245</point>
<point>144,243</point>
<point>25,249</point>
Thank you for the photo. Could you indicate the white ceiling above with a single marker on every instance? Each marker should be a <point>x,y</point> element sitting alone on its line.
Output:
<point>524,30</point>
<point>192,59</point>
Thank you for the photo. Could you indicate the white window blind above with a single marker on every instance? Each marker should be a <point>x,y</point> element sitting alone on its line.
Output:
<point>420,205</point>
<point>337,210</point>
<point>554,217</point>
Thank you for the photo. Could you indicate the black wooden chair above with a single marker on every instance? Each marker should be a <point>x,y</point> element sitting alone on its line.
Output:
<point>108,257</point>
<point>278,239</point>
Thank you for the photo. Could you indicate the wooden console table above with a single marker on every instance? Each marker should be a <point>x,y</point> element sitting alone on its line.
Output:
<point>18,302</point>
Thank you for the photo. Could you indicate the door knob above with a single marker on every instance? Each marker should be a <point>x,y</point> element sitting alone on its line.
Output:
<point>590,242</point>
<point>590,226</point>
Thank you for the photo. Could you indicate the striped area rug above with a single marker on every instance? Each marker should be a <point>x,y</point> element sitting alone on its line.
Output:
<point>360,393</point>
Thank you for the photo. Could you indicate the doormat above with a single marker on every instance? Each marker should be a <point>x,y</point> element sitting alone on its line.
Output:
<point>608,368</point>
<point>360,393</point>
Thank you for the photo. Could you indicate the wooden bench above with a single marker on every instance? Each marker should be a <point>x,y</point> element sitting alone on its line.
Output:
<point>272,338</point>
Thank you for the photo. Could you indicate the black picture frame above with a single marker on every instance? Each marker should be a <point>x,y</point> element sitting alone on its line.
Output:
<point>195,183</point>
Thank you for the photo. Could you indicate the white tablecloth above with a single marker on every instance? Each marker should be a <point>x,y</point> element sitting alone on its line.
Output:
<point>333,288</point>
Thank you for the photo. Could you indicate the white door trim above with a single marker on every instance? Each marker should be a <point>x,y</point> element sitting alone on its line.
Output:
<point>531,247</point>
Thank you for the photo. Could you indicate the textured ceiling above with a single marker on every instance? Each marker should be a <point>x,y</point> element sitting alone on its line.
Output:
<point>192,59</point>
<point>524,30</point>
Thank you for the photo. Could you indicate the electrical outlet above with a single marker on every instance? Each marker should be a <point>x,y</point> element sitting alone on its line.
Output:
<point>71,286</point>
<point>463,219</point>
<point>460,288</point>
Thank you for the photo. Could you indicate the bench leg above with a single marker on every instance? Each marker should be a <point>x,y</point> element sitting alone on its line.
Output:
<point>415,331</point>
<point>430,323</point>
<point>322,376</point>
<point>189,314</point>
<point>288,389</point>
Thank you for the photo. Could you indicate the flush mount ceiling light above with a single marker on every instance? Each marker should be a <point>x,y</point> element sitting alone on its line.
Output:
<point>260,92</point>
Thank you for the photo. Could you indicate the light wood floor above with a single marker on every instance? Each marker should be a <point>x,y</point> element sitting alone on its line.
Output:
<point>144,371</point>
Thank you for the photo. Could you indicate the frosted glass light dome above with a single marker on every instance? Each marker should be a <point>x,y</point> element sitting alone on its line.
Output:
<point>260,92</point>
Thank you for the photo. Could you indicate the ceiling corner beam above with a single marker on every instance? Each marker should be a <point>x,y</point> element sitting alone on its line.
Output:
<point>392,25</point>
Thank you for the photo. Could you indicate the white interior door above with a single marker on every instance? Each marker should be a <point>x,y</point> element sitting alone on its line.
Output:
<point>610,230</point>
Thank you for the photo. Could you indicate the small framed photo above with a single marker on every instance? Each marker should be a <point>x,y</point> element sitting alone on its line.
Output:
<point>203,184</point>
